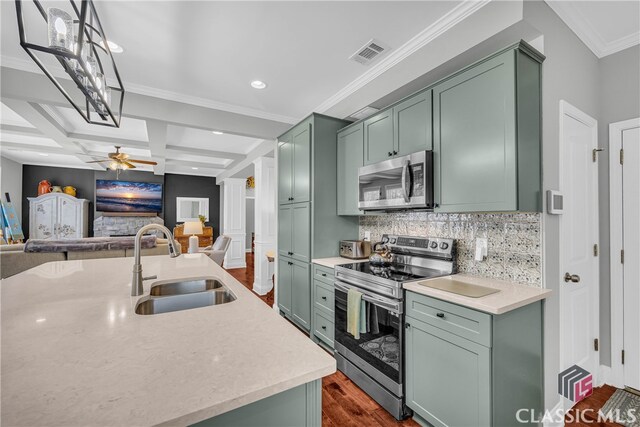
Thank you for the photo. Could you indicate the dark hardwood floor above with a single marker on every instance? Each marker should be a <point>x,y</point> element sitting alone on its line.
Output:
<point>343,403</point>
<point>585,412</point>
<point>245,276</point>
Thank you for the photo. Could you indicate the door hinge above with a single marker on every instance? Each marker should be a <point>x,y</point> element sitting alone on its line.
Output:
<point>621,156</point>
<point>622,256</point>
<point>594,154</point>
<point>596,344</point>
<point>623,357</point>
<point>595,250</point>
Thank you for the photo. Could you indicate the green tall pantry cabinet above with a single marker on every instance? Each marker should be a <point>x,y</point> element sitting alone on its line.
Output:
<point>308,223</point>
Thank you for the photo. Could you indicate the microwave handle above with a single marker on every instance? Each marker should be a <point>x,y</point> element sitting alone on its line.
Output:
<point>406,184</point>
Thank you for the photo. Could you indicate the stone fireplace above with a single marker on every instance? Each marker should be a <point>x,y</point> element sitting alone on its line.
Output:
<point>107,226</point>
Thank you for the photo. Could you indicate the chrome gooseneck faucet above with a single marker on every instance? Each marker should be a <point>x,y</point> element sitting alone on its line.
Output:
<point>136,282</point>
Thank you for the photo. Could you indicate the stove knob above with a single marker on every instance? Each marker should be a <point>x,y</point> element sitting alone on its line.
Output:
<point>385,239</point>
<point>434,245</point>
<point>392,241</point>
<point>444,245</point>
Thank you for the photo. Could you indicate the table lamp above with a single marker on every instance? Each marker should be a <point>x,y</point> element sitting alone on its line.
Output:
<point>193,228</point>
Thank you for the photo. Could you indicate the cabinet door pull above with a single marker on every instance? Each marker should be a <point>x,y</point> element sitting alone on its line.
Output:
<point>407,325</point>
<point>440,315</point>
<point>324,274</point>
<point>324,327</point>
<point>324,298</point>
<point>390,154</point>
<point>290,263</point>
<point>395,152</point>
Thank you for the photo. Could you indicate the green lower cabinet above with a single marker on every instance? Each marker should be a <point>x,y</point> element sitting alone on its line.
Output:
<point>301,294</point>
<point>284,285</point>
<point>300,407</point>
<point>466,368</point>
<point>323,306</point>
<point>448,380</point>
<point>294,291</point>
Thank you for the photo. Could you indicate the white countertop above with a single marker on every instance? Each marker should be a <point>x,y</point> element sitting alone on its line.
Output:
<point>510,297</point>
<point>75,353</point>
<point>336,260</point>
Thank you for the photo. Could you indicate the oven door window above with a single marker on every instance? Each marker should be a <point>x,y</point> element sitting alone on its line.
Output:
<point>380,346</point>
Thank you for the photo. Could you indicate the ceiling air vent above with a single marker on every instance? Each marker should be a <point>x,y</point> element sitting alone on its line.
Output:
<point>369,52</point>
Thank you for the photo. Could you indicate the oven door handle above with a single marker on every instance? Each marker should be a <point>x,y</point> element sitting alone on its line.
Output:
<point>394,307</point>
<point>406,181</point>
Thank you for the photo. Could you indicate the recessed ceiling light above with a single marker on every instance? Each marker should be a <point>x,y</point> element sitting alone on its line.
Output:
<point>195,169</point>
<point>217,132</point>
<point>44,154</point>
<point>257,84</point>
<point>113,47</point>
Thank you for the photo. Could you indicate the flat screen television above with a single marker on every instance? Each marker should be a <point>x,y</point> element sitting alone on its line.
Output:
<point>126,196</point>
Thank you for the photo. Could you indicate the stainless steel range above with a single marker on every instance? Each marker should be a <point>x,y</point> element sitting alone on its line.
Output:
<point>375,361</point>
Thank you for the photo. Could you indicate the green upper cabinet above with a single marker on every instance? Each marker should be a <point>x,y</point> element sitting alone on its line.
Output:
<point>301,140</point>
<point>412,124</point>
<point>285,168</point>
<point>378,137</point>
<point>487,137</point>
<point>350,158</point>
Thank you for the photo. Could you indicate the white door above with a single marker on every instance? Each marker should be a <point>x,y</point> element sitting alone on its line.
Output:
<point>631,245</point>
<point>579,281</point>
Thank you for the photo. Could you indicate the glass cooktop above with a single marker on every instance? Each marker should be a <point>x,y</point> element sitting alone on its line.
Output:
<point>395,272</point>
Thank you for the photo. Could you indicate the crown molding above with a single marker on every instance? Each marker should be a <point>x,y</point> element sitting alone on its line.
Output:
<point>27,65</point>
<point>587,33</point>
<point>453,17</point>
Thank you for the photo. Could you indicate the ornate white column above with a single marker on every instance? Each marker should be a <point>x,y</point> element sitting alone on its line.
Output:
<point>233,221</point>
<point>265,227</point>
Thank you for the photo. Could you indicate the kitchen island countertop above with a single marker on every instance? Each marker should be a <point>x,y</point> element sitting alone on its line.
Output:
<point>75,353</point>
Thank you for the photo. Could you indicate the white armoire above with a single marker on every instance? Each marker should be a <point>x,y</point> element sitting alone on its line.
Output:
<point>58,216</point>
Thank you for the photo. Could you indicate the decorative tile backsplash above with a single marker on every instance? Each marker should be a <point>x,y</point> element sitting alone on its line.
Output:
<point>514,239</point>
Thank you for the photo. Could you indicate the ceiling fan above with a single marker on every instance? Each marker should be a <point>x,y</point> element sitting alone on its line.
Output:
<point>121,161</point>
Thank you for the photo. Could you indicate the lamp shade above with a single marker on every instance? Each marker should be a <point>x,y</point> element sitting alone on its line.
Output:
<point>193,227</point>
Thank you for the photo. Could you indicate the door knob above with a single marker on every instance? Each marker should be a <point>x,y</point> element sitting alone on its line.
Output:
<point>574,278</point>
<point>390,154</point>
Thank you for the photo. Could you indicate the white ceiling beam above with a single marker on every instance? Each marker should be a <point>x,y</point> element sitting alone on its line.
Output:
<point>20,130</point>
<point>108,140</point>
<point>35,87</point>
<point>261,150</point>
<point>189,163</point>
<point>16,146</point>
<point>157,132</point>
<point>38,117</point>
<point>205,153</point>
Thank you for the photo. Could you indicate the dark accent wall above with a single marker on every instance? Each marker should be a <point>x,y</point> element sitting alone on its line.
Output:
<point>191,186</point>
<point>85,183</point>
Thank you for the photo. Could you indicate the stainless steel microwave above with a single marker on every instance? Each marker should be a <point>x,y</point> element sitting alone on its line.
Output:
<point>402,183</point>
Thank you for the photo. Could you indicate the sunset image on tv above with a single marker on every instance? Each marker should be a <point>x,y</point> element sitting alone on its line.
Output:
<point>125,196</point>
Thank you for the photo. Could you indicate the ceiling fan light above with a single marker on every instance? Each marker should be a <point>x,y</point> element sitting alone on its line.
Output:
<point>113,166</point>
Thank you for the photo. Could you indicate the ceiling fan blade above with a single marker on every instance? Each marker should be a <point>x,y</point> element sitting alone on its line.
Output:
<point>129,165</point>
<point>98,161</point>
<point>144,162</point>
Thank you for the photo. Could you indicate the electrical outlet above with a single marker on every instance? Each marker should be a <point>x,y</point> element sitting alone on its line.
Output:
<point>481,249</point>
<point>367,235</point>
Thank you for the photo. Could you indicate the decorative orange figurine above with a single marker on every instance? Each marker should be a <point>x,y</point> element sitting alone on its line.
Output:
<point>44,187</point>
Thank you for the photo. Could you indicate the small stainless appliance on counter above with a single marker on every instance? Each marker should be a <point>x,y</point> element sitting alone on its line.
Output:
<point>375,361</point>
<point>401,183</point>
<point>355,249</point>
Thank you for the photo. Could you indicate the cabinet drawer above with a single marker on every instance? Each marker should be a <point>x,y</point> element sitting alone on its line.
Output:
<point>323,327</point>
<point>324,274</point>
<point>464,322</point>
<point>324,296</point>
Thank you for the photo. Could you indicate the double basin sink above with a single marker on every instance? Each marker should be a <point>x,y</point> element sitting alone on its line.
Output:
<point>186,294</point>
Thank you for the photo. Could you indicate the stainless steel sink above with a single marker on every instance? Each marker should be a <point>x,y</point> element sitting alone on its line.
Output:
<point>188,286</point>
<point>156,305</point>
